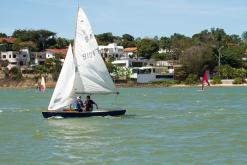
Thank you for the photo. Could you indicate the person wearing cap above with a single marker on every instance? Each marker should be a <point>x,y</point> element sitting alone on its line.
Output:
<point>79,104</point>
<point>89,104</point>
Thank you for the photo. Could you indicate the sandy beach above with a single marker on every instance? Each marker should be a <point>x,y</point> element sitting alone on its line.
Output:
<point>29,83</point>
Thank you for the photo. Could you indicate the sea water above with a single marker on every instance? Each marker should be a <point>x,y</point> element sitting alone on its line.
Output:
<point>161,126</point>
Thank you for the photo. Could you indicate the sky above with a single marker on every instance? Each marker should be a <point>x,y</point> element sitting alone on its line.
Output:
<point>140,18</point>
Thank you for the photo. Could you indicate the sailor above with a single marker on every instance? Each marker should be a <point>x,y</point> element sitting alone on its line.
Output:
<point>89,104</point>
<point>79,104</point>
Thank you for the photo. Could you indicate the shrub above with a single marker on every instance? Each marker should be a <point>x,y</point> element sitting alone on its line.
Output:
<point>239,73</point>
<point>238,80</point>
<point>165,82</point>
<point>191,79</point>
<point>15,73</point>
<point>216,80</point>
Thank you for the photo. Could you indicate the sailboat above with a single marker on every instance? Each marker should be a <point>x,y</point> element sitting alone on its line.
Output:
<point>83,72</point>
<point>205,80</point>
<point>42,85</point>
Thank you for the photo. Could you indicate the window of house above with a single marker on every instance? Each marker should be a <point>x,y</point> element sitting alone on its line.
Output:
<point>24,55</point>
<point>9,56</point>
<point>4,56</point>
<point>14,56</point>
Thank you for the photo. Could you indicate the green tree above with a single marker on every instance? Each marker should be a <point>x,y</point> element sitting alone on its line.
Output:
<point>61,43</point>
<point>204,37</point>
<point>109,66</point>
<point>162,56</point>
<point>244,35</point>
<point>232,56</point>
<point>241,73</point>
<point>3,35</point>
<point>226,71</point>
<point>179,43</point>
<point>147,47</point>
<point>127,41</point>
<point>128,37</point>
<point>165,43</point>
<point>40,69</point>
<point>42,38</point>
<point>54,67</point>
<point>234,38</point>
<point>15,74</point>
<point>180,74</point>
<point>219,42</point>
<point>196,59</point>
<point>121,73</point>
<point>26,44</point>
<point>105,38</point>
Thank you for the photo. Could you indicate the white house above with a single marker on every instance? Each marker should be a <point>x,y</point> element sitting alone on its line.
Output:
<point>17,58</point>
<point>11,56</point>
<point>111,51</point>
<point>24,57</point>
<point>50,53</point>
<point>161,50</point>
<point>150,73</point>
<point>130,63</point>
<point>38,58</point>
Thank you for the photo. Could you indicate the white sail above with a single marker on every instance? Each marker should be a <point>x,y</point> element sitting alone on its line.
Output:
<point>62,93</point>
<point>42,84</point>
<point>93,76</point>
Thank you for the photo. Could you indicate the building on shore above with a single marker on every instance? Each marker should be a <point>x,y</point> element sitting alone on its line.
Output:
<point>16,58</point>
<point>130,52</point>
<point>51,53</point>
<point>130,62</point>
<point>111,51</point>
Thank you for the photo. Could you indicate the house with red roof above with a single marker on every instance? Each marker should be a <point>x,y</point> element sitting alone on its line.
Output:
<point>10,40</point>
<point>50,53</point>
<point>130,52</point>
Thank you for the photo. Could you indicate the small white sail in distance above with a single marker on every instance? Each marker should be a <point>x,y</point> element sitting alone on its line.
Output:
<point>90,67</point>
<point>61,96</point>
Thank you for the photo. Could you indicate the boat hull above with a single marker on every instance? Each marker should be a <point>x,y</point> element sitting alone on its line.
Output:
<point>72,114</point>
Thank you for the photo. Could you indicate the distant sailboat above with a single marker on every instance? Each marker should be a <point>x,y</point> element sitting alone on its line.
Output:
<point>83,72</point>
<point>42,85</point>
<point>205,79</point>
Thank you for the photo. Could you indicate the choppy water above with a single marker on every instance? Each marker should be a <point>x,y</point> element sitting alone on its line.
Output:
<point>162,126</point>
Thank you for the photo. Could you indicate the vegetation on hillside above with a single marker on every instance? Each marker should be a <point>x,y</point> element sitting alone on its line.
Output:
<point>212,50</point>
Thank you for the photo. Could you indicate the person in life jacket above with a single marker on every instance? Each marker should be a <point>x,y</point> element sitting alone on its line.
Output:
<point>89,104</point>
<point>79,104</point>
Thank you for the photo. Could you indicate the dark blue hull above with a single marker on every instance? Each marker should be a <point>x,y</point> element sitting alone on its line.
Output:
<point>71,114</point>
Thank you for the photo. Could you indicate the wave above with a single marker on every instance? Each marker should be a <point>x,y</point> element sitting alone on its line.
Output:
<point>56,117</point>
<point>14,109</point>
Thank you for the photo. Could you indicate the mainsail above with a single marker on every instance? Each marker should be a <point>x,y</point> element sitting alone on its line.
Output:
<point>90,66</point>
<point>62,93</point>
<point>83,71</point>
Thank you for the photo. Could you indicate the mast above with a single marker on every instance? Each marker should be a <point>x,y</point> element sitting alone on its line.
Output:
<point>75,27</point>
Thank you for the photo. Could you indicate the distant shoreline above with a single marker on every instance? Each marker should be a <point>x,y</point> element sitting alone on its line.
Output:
<point>28,83</point>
